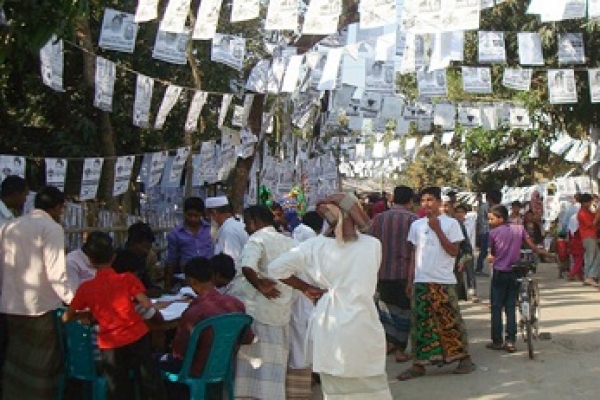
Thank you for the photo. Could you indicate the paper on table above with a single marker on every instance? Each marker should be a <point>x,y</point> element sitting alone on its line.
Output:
<point>187,291</point>
<point>173,311</point>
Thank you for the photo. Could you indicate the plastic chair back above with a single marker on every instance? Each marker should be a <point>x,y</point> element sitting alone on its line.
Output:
<point>227,332</point>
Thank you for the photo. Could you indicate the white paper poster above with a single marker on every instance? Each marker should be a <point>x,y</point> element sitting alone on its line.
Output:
<point>56,172</point>
<point>570,48</point>
<point>157,166</point>
<point>147,10</point>
<point>282,15</point>
<point>198,101</point>
<point>530,48</point>
<point>477,80</point>
<point>446,47</point>
<point>593,8</point>
<point>432,84</point>
<point>330,72</point>
<point>90,178</point>
<point>392,107</point>
<point>171,47</point>
<point>52,63</point>
<point>375,13</point>
<point>259,77</point>
<point>322,17</point>
<point>207,19</point>
<point>292,74</point>
<point>444,115</point>
<point>123,168</point>
<point>178,163</point>
<point>431,16</point>
<point>228,50</point>
<point>12,165</point>
<point>469,116</point>
<point>171,96</point>
<point>119,31</point>
<point>224,108</point>
<point>175,16</point>
<point>561,86</point>
<point>491,47</point>
<point>144,88</point>
<point>594,84</point>
<point>244,10</point>
<point>105,84</point>
<point>380,76</point>
<point>517,78</point>
<point>519,118</point>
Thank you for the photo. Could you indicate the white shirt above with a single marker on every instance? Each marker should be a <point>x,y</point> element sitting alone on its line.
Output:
<point>471,227</point>
<point>432,263</point>
<point>5,214</point>
<point>231,238</point>
<point>303,233</point>
<point>347,337</point>
<point>263,247</point>
<point>79,269</point>
<point>32,260</point>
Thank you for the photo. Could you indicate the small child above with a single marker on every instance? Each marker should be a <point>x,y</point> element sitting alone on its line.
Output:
<point>506,240</point>
<point>123,336</point>
<point>223,268</point>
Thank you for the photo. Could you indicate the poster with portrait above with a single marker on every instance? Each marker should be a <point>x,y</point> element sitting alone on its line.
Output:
<point>491,47</point>
<point>52,63</point>
<point>282,15</point>
<point>147,10</point>
<point>198,101</point>
<point>157,166</point>
<point>391,107</point>
<point>469,116</point>
<point>244,10</point>
<point>175,16</point>
<point>292,74</point>
<point>593,8</point>
<point>259,77</point>
<point>178,164</point>
<point>56,172</point>
<point>207,19</point>
<point>225,103</point>
<point>594,84</point>
<point>530,48</point>
<point>329,77</point>
<point>12,165</point>
<point>444,115</point>
<point>519,118</point>
<point>432,83</point>
<point>123,168</point>
<point>228,50</point>
<point>105,84</point>
<point>119,31</point>
<point>322,17</point>
<point>431,16</point>
<point>517,78</point>
<point>370,104</point>
<point>477,80</point>
<point>171,47</point>
<point>144,88</point>
<point>570,48</point>
<point>169,100</point>
<point>561,86</point>
<point>375,13</point>
<point>380,76</point>
<point>90,178</point>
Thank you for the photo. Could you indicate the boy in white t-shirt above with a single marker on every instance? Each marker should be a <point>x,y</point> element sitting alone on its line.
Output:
<point>438,333</point>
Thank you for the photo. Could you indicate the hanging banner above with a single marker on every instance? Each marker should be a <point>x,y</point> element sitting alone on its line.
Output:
<point>56,172</point>
<point>561,86</point>
<point>517,78</point>
<point>90,178</point>
<point>594,83</point>
<point>207,19</point>
<point>530,48</point>
<point>175,16</point>
<point>434,16</point>
<point>477,80</point>
<point>519,118</point>
<point>52,63</point>
<point>281,15</point>
<point>224,108</point>
<point>322,17</point>
<point>147,10</point>
<point>376,13</point>
<point>157,166</point>
<point>444,115</point>
<point>171,96</point>
<point>191,122</point>
<point>119,31</point>
<point>432,84</point>
<point>105,84</point>
<point>228,50</point>
<point>144,88</point>
<point>171,47</point>
<point>178,163</point>
<point>123,168</point>
<point>491,47</point>
<point>244,10</point>
<point>570,48</point>
<point>12,165</point>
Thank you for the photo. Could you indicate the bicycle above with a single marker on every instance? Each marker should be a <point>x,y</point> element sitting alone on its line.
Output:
<point>528,301</point>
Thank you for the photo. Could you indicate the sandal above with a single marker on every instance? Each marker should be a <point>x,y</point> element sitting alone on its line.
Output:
<point>402,357</point>
<point>510,347</point>
<point>495,346</point>
<point>464,368</point>
<point>411,373</point>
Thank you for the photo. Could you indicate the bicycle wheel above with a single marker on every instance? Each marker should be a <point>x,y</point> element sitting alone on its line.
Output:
<point>534,309</point>
<point>529,330</point>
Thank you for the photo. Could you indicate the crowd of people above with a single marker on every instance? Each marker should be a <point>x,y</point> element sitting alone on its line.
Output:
<point>392,274</point>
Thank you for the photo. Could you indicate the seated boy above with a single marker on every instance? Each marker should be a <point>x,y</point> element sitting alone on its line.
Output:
<point>123,337</point>
<point>223,268</point>
<point>208,303</point>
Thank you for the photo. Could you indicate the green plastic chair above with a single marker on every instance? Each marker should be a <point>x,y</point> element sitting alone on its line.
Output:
<point>220,364</point>
<point>78,355</point>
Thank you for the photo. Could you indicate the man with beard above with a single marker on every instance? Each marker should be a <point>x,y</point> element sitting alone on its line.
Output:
<point>230,236</point>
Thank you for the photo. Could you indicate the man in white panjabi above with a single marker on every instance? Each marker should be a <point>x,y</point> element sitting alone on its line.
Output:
<point>261,366</point>
<point>342,267</point>
<point>230,236</point>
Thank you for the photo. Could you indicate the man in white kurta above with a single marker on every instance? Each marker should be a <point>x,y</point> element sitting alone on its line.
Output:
<point>231,236</point>
<point>345,315</point>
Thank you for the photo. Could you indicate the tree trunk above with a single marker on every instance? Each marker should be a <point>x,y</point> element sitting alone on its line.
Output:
<point>594,137</point>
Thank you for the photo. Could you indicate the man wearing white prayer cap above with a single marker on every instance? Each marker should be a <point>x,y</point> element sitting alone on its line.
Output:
<point>231,235</point>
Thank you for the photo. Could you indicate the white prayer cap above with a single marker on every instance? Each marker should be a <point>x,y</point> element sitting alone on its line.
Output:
<point>445,199</point>
<point>216,202</point>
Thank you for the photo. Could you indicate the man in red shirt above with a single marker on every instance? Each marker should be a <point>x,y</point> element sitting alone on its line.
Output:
<point>123,336</point>
<point>587,230</point>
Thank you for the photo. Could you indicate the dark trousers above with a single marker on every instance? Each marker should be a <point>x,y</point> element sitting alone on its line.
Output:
<point>118,363</point>
<point>179,391</point>
<point>505,290</point>
<point>483,239</point>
